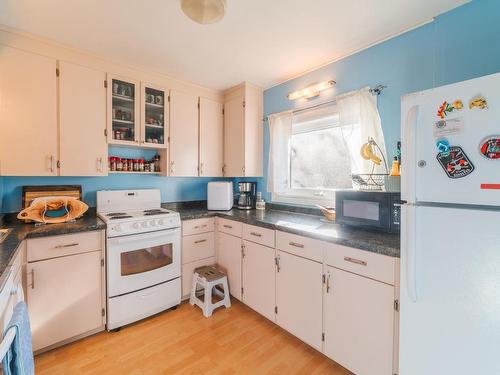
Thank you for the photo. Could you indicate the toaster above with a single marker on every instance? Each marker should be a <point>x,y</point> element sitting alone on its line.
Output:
<point>220,195</point>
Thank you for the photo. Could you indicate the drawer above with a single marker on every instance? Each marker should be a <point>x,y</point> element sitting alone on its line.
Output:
<point>259,235</point>
<point>232,227</point>
<point>198,246</point>
<point>187,273</point>
<point>375,266</point>
<point>206,224</point>
<point>301,246</point>
<point>68,244</point>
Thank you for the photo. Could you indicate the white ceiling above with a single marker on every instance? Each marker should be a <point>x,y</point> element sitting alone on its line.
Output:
<point>261,41</point>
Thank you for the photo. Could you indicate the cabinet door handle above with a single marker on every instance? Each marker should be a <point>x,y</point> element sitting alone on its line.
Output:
<point>32,278</point>
<point>99,164</point>
<point>277,262</point>
<point>66,245</point>
<point>200,241</point>
<point>172,166</point>
<point>52,163</point>
<point>296,244</point>
<point>328,283</point>
<point>356,261</point>
<point>256,234</point>
<point>227,226</point>
<point>201,169</point>
<point>200,226</point>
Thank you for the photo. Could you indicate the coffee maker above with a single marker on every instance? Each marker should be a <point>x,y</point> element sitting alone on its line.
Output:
<point>247,190</point>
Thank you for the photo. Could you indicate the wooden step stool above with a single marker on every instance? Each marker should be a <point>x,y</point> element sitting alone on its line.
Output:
<point>211,280</point>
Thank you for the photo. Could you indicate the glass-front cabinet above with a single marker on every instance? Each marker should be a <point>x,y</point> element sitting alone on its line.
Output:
<point>124,111</point>
<point>154,116</point>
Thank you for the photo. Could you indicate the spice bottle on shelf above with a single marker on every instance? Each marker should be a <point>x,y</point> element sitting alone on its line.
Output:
<point>119,165</point>
<point>112,163</point>
<point>130,165</point>
<point>136,165</point>
<point>141,165</point>
<point>156,160</point>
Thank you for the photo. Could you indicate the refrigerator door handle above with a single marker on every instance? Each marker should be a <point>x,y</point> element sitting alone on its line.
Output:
<point>409,153</point>
<point>408,237</point>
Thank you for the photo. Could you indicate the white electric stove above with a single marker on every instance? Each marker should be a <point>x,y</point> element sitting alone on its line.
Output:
<point>143,255</point>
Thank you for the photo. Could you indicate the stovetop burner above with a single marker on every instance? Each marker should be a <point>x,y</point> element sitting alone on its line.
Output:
<point>120,217</point>
<point>116,214</point>
<point>155,211</point>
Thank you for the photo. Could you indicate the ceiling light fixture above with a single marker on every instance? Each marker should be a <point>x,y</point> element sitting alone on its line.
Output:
<point>311,91</point>
<point>204,11</point>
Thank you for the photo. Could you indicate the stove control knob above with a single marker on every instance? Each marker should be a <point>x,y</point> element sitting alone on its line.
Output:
<point>117,228</point>
<point>161,222</point>
<point>152,223</point>
<point>145,224</point>
<point>135,225</point>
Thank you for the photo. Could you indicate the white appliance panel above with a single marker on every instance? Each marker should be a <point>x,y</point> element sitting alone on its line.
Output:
<point>419,115</point>
<point>120,284</point>
<point>450,291</point>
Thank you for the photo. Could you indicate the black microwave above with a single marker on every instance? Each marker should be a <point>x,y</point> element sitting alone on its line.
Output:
<point>377,210</point>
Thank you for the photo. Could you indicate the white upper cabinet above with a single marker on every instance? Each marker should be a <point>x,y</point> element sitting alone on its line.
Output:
<point>183,134</point>
<point>82,121</point>
<point>211,138</point>
<point>28,114</point>
<point>243,131</point>
<point>154,116</point>
<point>124,111</point>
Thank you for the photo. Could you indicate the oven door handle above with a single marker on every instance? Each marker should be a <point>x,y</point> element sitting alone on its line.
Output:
<point>143,236</point>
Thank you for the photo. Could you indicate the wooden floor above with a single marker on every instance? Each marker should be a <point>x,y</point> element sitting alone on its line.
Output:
<point>232,341</point>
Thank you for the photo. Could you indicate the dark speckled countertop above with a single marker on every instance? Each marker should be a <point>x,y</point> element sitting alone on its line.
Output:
<point>21,231</point>
<point>306,225</point>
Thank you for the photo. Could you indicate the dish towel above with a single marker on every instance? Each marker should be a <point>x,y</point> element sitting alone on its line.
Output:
<point>19,358</point>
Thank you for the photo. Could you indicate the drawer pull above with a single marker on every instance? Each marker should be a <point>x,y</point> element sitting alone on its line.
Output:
<point>200,241</point>
<point>200,226</point>
<point>296,244</point>
<point>67,245</point>
<point>355,261</point>
<point>227,226</point>
<point>256,234</point>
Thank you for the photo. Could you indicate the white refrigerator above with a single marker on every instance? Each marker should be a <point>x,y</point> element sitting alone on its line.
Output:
<point>450,240</point>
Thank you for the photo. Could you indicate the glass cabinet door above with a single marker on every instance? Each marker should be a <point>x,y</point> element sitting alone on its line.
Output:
<point>154,119</point>
<point>123,112</point>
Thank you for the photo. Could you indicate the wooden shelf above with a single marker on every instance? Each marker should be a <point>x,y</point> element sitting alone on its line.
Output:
<point>123,122</point>
<point>123,97</point>
<point>153,105</point>
<point>132,172</point>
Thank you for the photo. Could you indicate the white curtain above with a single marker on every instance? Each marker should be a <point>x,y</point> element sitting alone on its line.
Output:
<point>280,131</point>
<point>360,120</point>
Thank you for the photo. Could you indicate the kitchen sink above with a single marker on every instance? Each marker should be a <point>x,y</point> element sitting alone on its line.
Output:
<point>3,234</point>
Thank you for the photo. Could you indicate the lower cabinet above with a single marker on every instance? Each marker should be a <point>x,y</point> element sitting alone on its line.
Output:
<point>299,289</point>
<point>359,322</point>
<point>65,287</point>
<point>64,297</point>
<point>229,260</point>
<point>259,282</point>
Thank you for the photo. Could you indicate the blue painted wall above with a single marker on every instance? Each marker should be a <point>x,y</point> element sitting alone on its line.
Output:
<point>173,189</point>
<point>459,45</point>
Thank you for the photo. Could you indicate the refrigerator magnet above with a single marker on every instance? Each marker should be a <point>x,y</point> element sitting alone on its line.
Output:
<point>455,163</point>
<point>443,146</point>
<point>443,128</point>
<point>490,147</point>
<point>478,101</point>
<point>446,108</point>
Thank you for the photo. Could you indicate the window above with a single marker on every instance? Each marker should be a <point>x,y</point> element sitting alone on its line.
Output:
<point>314,152</point>
<point>318,159</point>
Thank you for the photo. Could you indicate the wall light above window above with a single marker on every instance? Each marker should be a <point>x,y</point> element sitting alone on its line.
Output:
<point>311,91</point>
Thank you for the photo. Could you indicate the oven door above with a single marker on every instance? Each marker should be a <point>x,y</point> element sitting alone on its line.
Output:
<point>364,209</point>
<point>142,260</point>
